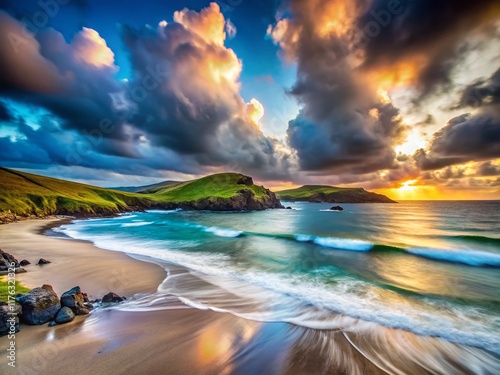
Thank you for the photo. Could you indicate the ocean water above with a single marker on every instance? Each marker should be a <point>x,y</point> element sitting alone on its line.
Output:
<point>431,268</point>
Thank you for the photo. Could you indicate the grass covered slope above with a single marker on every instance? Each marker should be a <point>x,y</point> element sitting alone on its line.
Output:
<point>24,194</point>
<point>224,191</point>
<point>27,194</point>
<point>332,194</point>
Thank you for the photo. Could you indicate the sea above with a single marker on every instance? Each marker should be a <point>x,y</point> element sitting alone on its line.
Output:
<point>428,267</point>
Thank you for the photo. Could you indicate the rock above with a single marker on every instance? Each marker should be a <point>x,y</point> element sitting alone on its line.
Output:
<point>337,208</point>
<point>9,319</point>
<point>39,305</point>
<point>88,305</point>
<point>112,298</point>
<point>24,262</point>
<point>64,315</point>
<point>7,261</point>
<point>289,208</point>
<point>72,298</point>
<point>43,261</point>
<point>82,311</point>
<point>245,180</point>
<point>52,323</point>
<point>76,301</point>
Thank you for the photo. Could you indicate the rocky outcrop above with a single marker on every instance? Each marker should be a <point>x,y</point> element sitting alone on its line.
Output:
<point>245,180</point>
<point>39,305</point>
<point>336,208</point>
<point>8,262</point>
<point>245,200</point>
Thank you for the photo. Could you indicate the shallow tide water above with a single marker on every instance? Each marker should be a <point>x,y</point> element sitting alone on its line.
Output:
<point>429,268</point>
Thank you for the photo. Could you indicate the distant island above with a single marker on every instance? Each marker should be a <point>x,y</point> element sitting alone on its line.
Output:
<point>331,194</point>
<point>30,195</point>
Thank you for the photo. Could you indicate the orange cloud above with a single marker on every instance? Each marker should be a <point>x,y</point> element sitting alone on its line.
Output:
<point>255,112</point>
<point>88,46</point>
<point>208,24</point>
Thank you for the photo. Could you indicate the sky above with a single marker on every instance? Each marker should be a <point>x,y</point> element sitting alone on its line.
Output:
<point>401,97</point>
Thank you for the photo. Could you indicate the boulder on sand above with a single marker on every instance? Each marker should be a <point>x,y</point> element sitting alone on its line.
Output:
<point>64,315</point>
<point>39,305</point>
<point>7,262</point>
<point>75,300</point>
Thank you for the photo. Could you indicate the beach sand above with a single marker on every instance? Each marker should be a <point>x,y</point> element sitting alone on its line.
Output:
<point>182,340</point>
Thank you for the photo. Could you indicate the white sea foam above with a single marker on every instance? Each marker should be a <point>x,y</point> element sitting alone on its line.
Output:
<point>470,257</point>
<point>137,224</point>
<point>336,243</point>
<point>164,211</point>
<point>224,232</point>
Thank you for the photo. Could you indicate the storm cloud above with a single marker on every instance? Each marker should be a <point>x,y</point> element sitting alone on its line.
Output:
<point>182,100</point>
<point>344,125</point>
<point>424,40</point>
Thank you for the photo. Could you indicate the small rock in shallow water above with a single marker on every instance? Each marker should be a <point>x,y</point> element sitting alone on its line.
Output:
<point>65,315</point>
<point>336,208</point>
<point>43,261</point>
<point>82,311</point>
<point>24,262</point>
<point>112,297</point>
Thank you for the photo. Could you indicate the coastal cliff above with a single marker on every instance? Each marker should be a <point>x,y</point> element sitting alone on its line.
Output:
<point>332,194</point>
<point>26,195</point>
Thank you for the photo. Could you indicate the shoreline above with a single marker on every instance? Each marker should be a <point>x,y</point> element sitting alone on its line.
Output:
<point>184,340</point>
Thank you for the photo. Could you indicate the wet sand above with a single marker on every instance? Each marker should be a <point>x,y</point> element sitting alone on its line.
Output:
<point>182,340</point>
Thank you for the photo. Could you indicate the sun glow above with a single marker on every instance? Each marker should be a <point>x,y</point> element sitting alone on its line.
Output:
<point>413,142</point>
<point>408,186</point>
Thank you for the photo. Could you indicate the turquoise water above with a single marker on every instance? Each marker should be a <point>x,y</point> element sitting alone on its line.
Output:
<point>432,268</point>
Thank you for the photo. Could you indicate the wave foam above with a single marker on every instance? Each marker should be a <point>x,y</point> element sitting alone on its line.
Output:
<point>336,243</point>
<point>471,258</point>
<point>224,232</point>
<point>137,224</point>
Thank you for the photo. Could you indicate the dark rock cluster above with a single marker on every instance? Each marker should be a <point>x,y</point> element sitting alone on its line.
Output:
<point>6,263</point>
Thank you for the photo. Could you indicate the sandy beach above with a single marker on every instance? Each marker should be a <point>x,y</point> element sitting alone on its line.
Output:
<point>181,340</point>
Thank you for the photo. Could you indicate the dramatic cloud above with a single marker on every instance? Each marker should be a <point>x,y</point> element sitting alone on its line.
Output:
<point>468,137</point>
<point>464,138</point>
<point>422,41</point>
<point>481,93</point>
<point>182,99</point>
<point>344,126</point>
<point>186,92</point>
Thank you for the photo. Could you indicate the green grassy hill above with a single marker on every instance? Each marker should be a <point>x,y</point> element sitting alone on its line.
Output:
<point>145,188</point>
<point>332,194</point>
<point>224,191</point>
<point>25,194</point>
